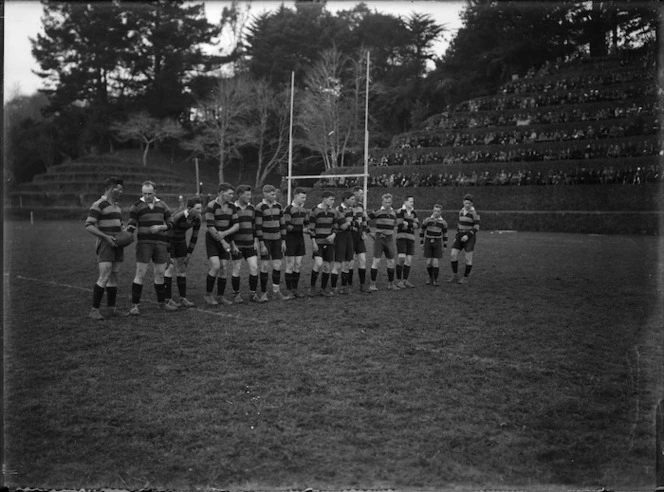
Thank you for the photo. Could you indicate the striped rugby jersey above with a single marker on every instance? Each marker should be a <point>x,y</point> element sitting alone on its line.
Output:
<point>244,237</point>
<point>106,216</point>
<point>385,220</point>
<point>322,223</point>
<point>220,216</point>
<point>344,214</point>
<point>270,223</point>
<point>360,218</point>
<point>297,218</point>
<point>182,222</point>
<point>434,228</point>
<point>468,221</point>
<point>142,216</point>
<point>406,224</point>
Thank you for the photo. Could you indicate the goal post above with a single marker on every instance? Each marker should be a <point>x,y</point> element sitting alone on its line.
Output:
<point>364,175</point>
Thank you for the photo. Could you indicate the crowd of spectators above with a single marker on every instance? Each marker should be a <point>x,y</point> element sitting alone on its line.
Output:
<point>457,121</point>
<point>515,101</point>
<point>522,177</point>
<point>526,86</point>
<point>574,150</point>
<point>521,135</point>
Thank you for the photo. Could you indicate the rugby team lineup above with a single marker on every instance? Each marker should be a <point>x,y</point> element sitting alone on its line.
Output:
<point>270,238</point>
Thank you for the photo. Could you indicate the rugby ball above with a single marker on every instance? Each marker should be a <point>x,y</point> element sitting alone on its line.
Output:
<point>124,238</point>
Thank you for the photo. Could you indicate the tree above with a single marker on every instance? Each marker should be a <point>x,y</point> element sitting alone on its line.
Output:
<point>147,130</point>
<point>328,117</point>
<point>268,128</point>
<point>219,122</point>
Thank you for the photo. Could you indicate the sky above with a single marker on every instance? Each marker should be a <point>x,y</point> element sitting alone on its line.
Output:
<point>23,21</point>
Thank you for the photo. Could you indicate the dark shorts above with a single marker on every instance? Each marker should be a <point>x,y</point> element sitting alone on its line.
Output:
<point>433,248</point>
<point>325,251</point>
<point>108,254</point>
<point>244,253</point>
<point>384,243</point>
<point>295,244</point>
<point>178,249</point>
<point>343,246</point>
<point>157,252</point>
<point>405,246</point>
<point>214,248</point>
<point>273,250</point>
<point>359,245</point>
<point>468,246</point>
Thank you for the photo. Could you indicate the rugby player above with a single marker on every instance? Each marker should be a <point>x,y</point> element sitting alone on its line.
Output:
<point>322,225</point>
<point>296,219</point>
<point>180,251</point>
<point>271,232</point>
<point>360,230</point>
<point>104,221</point>
<point>343,242</point>
<point>433,239</point>
<point>466,236</point>
<point>152,218</point>
<point>385,219</point>
<point>244,245</point>
<point>407,222</point>
<point>222,221</point>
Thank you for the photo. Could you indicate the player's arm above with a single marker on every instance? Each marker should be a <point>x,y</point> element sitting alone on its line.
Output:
<point>193,238</point>
<point>132,225</point>
<point>91,227</point>
<point>422,233</point>
<point>444,234</point>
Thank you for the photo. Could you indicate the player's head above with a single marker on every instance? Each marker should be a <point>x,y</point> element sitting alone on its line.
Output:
<point>225,191</point>
<point>299,196</point>
<point>409,202</point>
<point>270,193</point>
<point>348,198</point>
<point>244,193</point>
<point>437,210</point>
<point>113,185</point>
<point>328,198</point>
<point>148,189</point>
<point>467,201</point>
<point>387,199</point>
<point>195,206</point>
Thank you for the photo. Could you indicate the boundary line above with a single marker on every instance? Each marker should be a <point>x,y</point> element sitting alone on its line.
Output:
<point>84,289</point>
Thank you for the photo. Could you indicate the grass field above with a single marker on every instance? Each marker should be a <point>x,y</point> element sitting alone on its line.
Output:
<point>544,371</point>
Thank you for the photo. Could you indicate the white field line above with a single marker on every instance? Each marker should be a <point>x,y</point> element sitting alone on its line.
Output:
<point>84,289</point>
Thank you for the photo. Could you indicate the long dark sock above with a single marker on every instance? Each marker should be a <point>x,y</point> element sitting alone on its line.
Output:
<point>324,279</point>
<point>221,286</point>
<point>468,269</point>
<point>288,277</point>
<point>399,271</point>
<point>314,277</point>
<point>362,273</point>
<point>390,274</point>
<point>350,277</point>
<point>296,279</point>
<point>168,287</point>
<point>455,266</point>
<point>253,282</point>
<point>344,279</point>
<point>182,285</point>
<point>436,271</point>
<point>209,283</point>
<point>111,296</point>
<point>161,292</point>
<point>374,274</point>
<point>406,272</point>
<point>335,279</point>
<point>264,277</point>
<point>136,290</point>
<point>430,272</point>
<point>276,277</point>
<point>235,283</point>
<point>97,295</point>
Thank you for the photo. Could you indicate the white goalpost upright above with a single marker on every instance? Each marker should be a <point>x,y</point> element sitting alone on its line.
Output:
<point>364,175</point>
